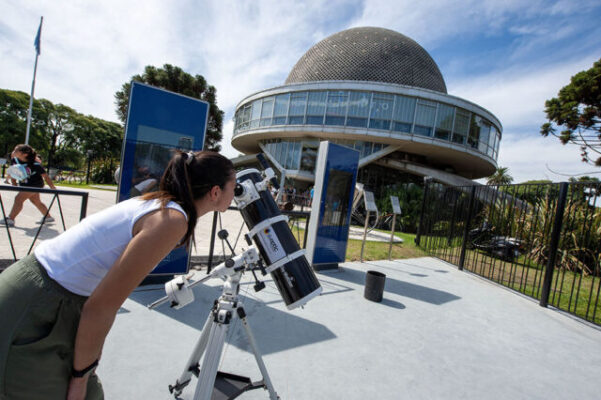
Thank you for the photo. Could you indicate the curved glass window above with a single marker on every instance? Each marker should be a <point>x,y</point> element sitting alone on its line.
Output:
<point>255,114</point>
<point>472,139</point>
<point>316,107</point>
<point>358,109</point>
<point>398,114</point>
<point>461,126</point>
<point>381,111</point>
<point>444,122</point>
<point>280,109</point>
<point>404,112</point>
<point>484,137</point>
<point>245,118</point>
<point>336,109</point>
<point>424,117</point>
<point>267,111</point>
<point>298,107</point>
<point>491,141</point>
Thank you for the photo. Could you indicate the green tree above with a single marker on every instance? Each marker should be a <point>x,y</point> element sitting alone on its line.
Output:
<point>13,121</point>
<point>56,121</point>
<point>176,80</point>
<point>500,177</point>
<point>13,117</point>
<point>101,138</point>
<point>577,111</point>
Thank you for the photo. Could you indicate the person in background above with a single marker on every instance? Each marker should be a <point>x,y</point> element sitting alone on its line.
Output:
<point>58,304</point>
<point>25,156</point>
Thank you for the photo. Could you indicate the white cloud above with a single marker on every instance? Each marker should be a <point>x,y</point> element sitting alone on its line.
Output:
<point>517,95</point>
<point>531,157</point>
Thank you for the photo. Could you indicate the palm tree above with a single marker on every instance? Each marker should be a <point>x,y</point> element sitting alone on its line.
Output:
<point>500,177</point>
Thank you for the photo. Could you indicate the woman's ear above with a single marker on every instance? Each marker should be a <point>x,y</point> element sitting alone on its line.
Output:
<point>214,193</point>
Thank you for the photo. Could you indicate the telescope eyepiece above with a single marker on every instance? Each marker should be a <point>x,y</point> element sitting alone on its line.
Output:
<point>238,190</point>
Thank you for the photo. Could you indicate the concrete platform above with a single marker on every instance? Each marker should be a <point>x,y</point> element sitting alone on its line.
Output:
<point>439,333</point>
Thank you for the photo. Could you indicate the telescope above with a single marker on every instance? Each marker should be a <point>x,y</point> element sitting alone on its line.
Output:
<point>269,231</point>
<point>275,252</point>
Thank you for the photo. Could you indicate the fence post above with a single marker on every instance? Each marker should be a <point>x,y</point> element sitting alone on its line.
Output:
<point>555,235</point>
<point>84,206</point>
<point>466,228</point>
<point>420,228</point>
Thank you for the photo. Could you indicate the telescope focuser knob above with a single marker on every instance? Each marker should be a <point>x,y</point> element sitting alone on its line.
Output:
<point>259,286</point>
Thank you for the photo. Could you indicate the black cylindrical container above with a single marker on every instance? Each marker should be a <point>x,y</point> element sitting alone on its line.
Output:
<point>374,286</point>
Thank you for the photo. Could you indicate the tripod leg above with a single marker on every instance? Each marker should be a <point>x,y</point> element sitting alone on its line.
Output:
<point>251,340</point>
<point>210,362</point>
<point>192,364</point>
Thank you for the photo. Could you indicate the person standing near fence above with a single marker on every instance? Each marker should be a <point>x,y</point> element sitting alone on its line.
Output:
<point>58,304</point>
<point>32,175</point>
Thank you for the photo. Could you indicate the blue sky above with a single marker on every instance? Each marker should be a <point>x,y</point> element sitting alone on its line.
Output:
<point>507,56</point>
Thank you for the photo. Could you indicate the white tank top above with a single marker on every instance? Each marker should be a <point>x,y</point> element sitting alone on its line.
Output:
<point>80,257</point>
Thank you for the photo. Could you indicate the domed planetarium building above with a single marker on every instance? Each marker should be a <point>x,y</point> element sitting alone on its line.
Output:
<point>379,92</point>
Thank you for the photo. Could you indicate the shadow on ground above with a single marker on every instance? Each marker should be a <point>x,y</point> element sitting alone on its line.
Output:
<point>401,288</point>
<point>261,319</point>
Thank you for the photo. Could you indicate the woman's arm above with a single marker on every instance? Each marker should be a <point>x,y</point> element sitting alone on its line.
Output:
<point>155,235</point>
<point>48,181</point>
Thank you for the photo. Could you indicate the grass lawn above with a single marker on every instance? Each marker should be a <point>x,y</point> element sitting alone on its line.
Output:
<point>375,250</point>
<point>573,292</point>
<point>75,185</point>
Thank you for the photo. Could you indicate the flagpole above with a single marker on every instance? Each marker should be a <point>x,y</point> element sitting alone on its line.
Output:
<point>35,69</point>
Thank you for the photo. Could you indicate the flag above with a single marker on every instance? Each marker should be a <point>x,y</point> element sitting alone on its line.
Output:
<point>38,38</point>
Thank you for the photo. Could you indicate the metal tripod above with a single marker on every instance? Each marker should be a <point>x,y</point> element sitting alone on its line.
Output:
<point>226,309</point>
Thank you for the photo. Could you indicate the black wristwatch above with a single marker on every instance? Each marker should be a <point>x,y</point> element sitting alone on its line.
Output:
<point>81,373</point>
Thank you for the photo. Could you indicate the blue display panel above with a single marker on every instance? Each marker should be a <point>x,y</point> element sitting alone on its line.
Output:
<point>158,123</point>
<point>335,178</point>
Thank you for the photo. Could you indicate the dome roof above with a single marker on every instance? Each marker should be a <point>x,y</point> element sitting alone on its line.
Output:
<point>369,54</point>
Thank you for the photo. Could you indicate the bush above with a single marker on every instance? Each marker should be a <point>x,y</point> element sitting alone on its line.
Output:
<point>102,171</point>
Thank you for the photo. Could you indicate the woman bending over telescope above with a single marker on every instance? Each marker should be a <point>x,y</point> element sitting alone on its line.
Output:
<point>58,304</point>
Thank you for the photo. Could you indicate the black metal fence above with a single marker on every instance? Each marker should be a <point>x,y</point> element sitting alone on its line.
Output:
<point>55,197</point>
<point>543,240</point>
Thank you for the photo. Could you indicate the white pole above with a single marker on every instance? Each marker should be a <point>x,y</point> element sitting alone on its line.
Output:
<point>35,68</point>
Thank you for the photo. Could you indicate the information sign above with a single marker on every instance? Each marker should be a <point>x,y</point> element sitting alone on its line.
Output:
<point>158,123</point>
<point>396,207</point>
<point>370,202</point>
<point>335,178</point>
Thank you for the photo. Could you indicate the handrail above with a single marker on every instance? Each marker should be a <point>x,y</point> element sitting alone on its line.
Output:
<point>55,193</point>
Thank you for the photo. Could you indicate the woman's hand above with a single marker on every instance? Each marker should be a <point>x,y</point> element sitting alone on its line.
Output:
<point>77,388</point>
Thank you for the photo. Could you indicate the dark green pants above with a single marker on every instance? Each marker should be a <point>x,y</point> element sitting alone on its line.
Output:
<point>38,323</point>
